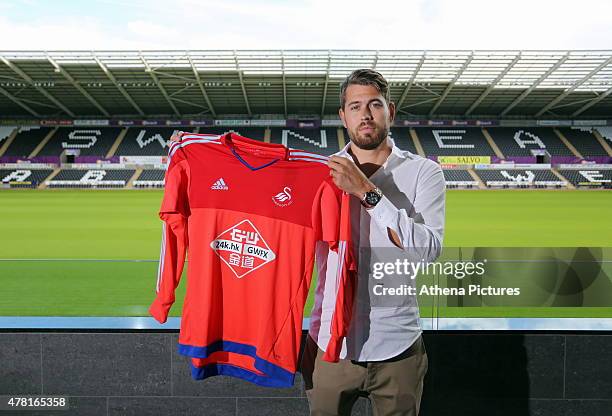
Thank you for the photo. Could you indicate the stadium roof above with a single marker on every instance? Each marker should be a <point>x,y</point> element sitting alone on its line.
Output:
<point>229,83</point>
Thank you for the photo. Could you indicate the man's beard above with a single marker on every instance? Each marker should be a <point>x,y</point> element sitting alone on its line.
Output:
<point>371,141</point>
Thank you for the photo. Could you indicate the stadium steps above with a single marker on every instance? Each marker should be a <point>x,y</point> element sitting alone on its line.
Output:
<point>197,130</point>
<point>43,184</point>
<point>417,142</point>
<point>601,141</point>
<point>341,139</point>
<point>43,142</point>
<point>492,143</point>
<point>567,143</point>
<point>475,176</point>
<point>267,135</point>
<point>9,140</point>
<point>130,184</point>
<point>118,140</point>
<point>570,185</point>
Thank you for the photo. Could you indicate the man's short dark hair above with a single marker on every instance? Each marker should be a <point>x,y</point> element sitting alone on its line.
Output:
<point>365,77</point>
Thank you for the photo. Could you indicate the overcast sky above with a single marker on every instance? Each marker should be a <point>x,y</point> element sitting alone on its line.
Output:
<point>312,24</point>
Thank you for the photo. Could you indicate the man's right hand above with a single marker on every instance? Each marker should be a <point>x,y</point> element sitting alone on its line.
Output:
<point>177,136</point>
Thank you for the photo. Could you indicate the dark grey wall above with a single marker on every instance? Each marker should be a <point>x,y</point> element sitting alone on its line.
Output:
<point>469,374</point>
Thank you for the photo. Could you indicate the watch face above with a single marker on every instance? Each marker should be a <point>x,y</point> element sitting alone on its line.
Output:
<point>372,198</point>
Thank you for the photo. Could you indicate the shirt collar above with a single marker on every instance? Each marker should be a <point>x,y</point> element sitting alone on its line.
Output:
<point>395,152</point>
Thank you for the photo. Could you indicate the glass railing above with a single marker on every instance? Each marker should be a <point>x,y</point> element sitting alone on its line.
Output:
<point>463,289</point>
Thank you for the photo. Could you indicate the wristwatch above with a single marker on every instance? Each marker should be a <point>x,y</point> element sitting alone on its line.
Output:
<point>371,198</point>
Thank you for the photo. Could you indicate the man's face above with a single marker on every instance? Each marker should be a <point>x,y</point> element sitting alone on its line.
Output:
<point>366,116</point>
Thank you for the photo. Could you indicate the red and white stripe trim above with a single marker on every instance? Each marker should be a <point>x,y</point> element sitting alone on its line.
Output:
<point>162,255</point>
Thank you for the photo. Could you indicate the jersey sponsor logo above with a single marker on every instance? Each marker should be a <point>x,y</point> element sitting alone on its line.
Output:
<point>219,185</point>
<point>283,198</point>
<point>242,248</point>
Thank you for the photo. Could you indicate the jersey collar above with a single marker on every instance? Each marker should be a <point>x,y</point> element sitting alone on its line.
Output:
<point>234,141</point>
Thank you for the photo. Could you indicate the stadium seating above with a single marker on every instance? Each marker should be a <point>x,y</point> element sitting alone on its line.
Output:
<point>150,178</point>
<point>322,141</point>
<point>26,140</point>
<point>606,133</point>
<point>519,178</point>
<point>153,141</point>
<point>589,178</point>
<point>146,141</point>
<point>584,141</point>
<point>256,133</point>
<point>517,141</point>
<point>23,178</point>
<point>456,178</point>
<point>95,141</point>
<point>401,137</point>
<point>91,178</point>
<point>453,141</point>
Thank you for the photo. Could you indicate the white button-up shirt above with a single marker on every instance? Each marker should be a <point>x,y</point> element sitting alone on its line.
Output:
<point>413,206</point>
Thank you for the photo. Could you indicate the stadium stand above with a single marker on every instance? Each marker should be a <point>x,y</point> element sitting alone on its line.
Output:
<point>452,141</point>
<point>456,178</point>
<point>589,178</point>
<point>516,141</point>
<point>146,141</point>
<point>401,136</point>
<point>23,178</point>
<point>150,178</point>
<point>584,141</point>
<point>91,178</point>
<point>323,141</point>
<point>26,140</point>
<point>256,133</point>
<point>606,133</point>
<point>95,141</point>
<point>519,178</point>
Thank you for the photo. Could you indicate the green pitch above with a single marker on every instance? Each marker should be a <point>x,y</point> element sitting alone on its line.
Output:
<point>94,253</point>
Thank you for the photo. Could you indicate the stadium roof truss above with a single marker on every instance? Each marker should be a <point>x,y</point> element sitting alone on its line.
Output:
<point>284,83</point>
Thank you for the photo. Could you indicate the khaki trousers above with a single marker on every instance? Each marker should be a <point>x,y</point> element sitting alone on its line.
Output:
<point>394,386</point>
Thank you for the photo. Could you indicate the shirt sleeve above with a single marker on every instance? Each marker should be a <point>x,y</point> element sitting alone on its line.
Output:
<point>332,222</point>
<point>174,213</point>
<point>423,229</point>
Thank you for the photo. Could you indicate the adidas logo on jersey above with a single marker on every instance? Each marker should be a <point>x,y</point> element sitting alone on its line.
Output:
<point>219,185</point>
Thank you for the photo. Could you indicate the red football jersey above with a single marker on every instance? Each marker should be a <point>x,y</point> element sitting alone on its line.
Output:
<point>250,214</point>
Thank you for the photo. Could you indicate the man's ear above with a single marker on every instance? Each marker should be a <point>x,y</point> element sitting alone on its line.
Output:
<point>341,114</point>
<point>391,112</point>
